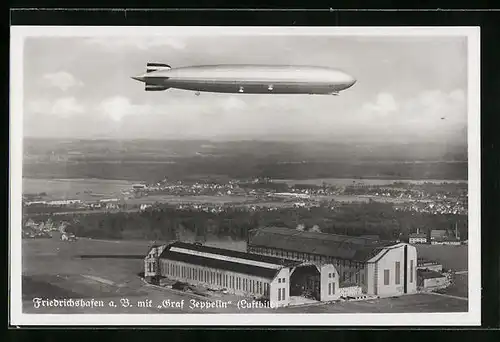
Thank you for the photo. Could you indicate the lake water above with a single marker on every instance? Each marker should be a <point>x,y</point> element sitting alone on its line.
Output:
<point>68,188</point>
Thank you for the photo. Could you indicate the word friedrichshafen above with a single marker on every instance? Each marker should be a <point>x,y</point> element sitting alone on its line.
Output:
<point>61,303</point>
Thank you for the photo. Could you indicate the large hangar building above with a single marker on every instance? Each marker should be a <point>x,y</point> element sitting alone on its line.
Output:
<point>275,279</point>
<point>380,268</point>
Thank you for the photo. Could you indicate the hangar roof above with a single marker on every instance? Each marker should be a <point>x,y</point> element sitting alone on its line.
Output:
<point>428,274</point>
<point>234,254</point>
<point>224,259</point>
<point>337,246</point>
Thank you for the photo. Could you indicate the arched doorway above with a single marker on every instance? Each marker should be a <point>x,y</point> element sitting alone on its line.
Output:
<point>305,282</point>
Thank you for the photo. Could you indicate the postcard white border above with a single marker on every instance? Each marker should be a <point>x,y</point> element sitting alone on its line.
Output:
<point>471,318</point>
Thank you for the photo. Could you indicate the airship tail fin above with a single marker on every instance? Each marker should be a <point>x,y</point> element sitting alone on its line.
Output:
<point>150,67</point>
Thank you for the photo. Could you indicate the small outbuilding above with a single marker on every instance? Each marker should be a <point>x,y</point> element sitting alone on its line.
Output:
<point>431,280</point>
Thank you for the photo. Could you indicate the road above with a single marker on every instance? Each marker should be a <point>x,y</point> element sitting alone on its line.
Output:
<point>83,212</point>
<point>449,296</point>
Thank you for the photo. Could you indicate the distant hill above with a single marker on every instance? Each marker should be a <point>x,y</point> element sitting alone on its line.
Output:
<point>281,150</point>
<point>152,160</point>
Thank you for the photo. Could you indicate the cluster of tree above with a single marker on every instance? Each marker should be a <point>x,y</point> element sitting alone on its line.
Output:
<point>353,219</point>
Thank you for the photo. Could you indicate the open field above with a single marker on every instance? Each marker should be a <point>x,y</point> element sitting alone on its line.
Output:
<point>460,288</point>
<point>451,257</point>
<point>361,198</point>
<point>54,269</point>
<point>190,199</point>
<point>405,304</point>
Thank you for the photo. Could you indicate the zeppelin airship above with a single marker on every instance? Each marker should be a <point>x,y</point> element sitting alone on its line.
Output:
<point>249,79</point>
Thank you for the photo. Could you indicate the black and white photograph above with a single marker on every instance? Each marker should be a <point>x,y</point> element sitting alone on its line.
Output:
<point>245,176</point>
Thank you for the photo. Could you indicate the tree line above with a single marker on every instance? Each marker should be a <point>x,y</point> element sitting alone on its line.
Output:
<point>349,219</point>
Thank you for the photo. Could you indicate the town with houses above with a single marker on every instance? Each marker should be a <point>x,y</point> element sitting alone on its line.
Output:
<point>404,197</point>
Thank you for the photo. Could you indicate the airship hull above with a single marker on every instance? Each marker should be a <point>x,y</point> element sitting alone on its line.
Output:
<point>248,79</point>
<point>246,87</point>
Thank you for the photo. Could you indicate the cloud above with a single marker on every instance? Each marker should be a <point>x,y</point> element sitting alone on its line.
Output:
<point>383,105</point>
<point>179,110</point>
<point>457,95</point>
<point>63,107</point>
<point>116,108</point>
<point>233,104</point>
<point>436,104</point>
<point>424,106</point>
<point>62,80</point>
<point>141,43</point>
<point>428,113</point>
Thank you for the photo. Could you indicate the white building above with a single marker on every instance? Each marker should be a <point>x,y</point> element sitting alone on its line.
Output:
<point>380,268</point>
<point>145,206</point>
<point>447,241</point>
<point>65,202</point>
<point>35,202</point>
<point>68,237</point>
<point>109,200</point>
<point>417,239</point>
<point>289,195</point>
<point>273,280</point>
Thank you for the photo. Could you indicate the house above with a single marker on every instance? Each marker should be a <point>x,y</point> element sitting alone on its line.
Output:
<point>430,265</point>
<point>417,239</point>
<point>145,206</point>
<point>68,237</point>
<point>64,202</point>
<point>448,240</point>
<point>111,206</point>
<point>438,234</point>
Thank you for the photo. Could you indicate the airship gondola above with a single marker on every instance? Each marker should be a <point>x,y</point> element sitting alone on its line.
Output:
<point>247,79</point>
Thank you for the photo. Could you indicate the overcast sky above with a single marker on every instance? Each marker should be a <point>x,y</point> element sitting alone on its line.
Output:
<point>408,89</point>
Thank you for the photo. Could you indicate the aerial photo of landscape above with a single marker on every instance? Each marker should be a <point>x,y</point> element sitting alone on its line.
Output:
<point>352,203</point>
<point>208,194</point>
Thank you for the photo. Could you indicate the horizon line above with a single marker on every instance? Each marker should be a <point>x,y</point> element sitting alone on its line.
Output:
<point>256,139</point>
